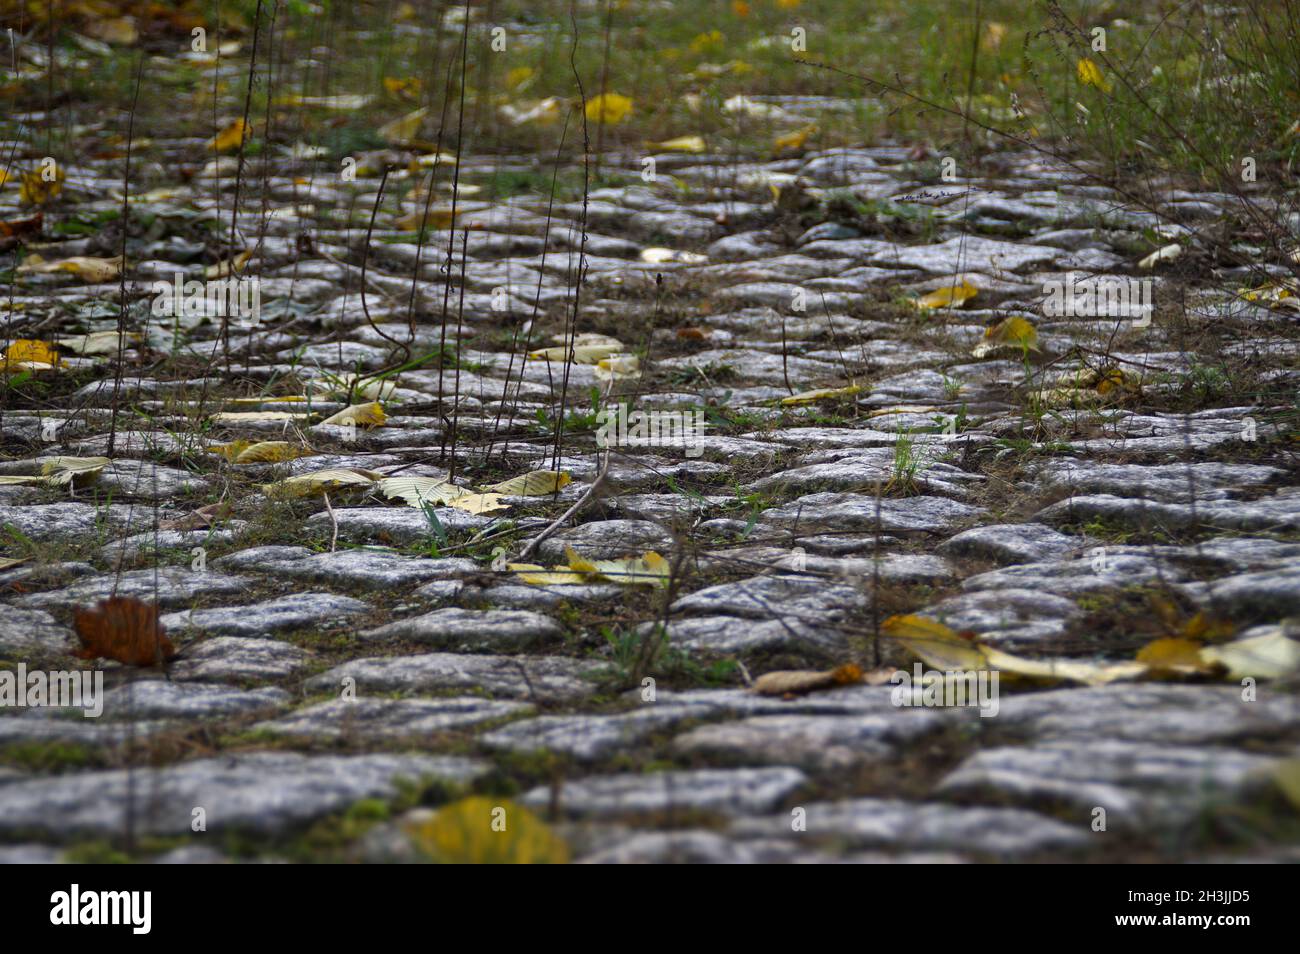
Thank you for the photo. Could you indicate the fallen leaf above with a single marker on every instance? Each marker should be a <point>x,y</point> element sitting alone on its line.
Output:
<point>418,491</point>
<point>231,266</point>
<point>29,354</point>
<point>694,144</point>
<point>541,576</point>
<point>370,414</point>
<point>405,129</point>
<point>658,256</point>
<point>89,269</point>
<point>1175,657</point>
<point>1166,254</point>
<point>951,296</point>
<point>1270,656</point>
<point>1090,75</point>
<point>582,354</point>
<point>322,481</point>
<point>935,644</point>
<point>538,483</point>
<point>608,108</point>
<point>1286,775</point>
<point>1009,332</point>
<point>272,452</point>
<point>481,831</point>
<point>618,367</point>
<point>478,503</point>
<point>431,218</point>
<point>797,681</point>
<point>199,519</point>
<point>99,342</point>
<point>17,228</point>
<point>795,141</point>
<point>37,189</point>
<point>231,136</point>
<point>125,629</point>
<point>648,569</point>
<point>822,394</point>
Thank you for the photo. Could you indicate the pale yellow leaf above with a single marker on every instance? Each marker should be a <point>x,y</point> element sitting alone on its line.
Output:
<point>950,296</point>
<point>821,394</point>
<point>362,415</point>
<point>538,483</point>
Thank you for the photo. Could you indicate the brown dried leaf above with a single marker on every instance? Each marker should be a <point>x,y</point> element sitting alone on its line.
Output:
<point>125,629</point>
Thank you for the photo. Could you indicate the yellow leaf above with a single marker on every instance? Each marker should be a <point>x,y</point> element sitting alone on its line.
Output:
<point>682,144</point>
<point>272,452</point>
<point>8,563</point>
<point>582,354</point>
<point>541,576</point>
<point>797,681</point>
<point>1090,75</point>
<point>1286,775</point>
<point>478,503</point>
<point>322,481</point>
<point>707,42</point>
<point>361,415</point>
<point>230,137</point>
<point>792,142</point>
<point>1270,656</point>
<point>435,218</point>
<point>1177,657</point>
<point>29,354</point>
<point>618,367</point>
<point>88,269</point>
<point>1166,253</point>
<point>408,87</point>
<point>418,491</point>
<point>246,417</point>
<point>1014,331</point>
<point>935,644</point>
<point>37,190</point>
<point>120,31</point>
<point>1073,670</point>
<point>822,394</point>
<point>485,831</point>
<point>99,342</point>
<point>62,471</point>
<point>648,569</point>
<point>535,484</point>
<point>542,111</point>
<point>403,130</point>
<point>229,266</point>
<point>953,296</point>
<point>991,38</point>
<point>608,108</point>
<point>230,451</point>
<point>518,76</point>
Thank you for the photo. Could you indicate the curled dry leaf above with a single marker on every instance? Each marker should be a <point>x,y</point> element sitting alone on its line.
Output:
<point>582,354</point>
<point>538,483</point>
<point>787,682</point>
<point>322,481</point>
<point>951,296</point>
<point>125,629</point>
<point>28,354</point>
<point>271,452</point>
<point>822,394</point>
<point>229,137</point>
<point>93,270</point>
<point>362,415</point>
<point>1013,332</point>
